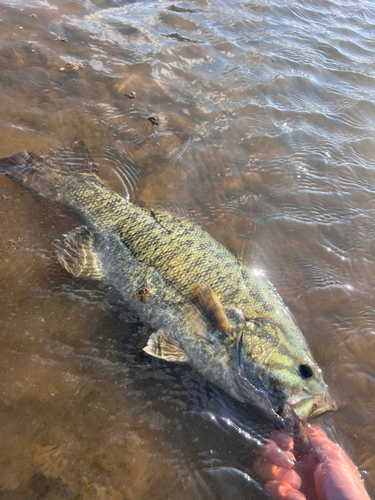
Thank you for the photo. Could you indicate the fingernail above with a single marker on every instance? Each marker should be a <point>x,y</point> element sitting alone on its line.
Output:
<point>285,461</point>
<point>296,495</point>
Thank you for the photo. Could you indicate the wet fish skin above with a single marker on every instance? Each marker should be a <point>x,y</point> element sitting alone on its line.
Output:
<point>259,356</point>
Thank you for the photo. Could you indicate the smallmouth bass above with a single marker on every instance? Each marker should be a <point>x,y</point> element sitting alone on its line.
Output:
<point>207,309</point>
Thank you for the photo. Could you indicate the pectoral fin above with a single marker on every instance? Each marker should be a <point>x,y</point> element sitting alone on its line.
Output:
<point>211,308</point>
<point>162,345</point>
<point>76,253</point>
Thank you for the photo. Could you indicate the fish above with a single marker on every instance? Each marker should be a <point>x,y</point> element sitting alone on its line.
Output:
<point>205,307</point>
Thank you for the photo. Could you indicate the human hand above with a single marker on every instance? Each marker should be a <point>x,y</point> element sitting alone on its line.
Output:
<point>276,464</point>
<point>335,476</point>
<point>324,473</point>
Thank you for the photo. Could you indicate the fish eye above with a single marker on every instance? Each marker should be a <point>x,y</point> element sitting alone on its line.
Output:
<point>305,371</point>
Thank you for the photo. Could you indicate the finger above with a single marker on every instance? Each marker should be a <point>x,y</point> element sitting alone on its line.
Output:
<point>316,436</point>
<point>282,491</point>
<point>290,477</point>
<point>283,440</point>
<point>270,472</point>
<point>333,482</point>
<point>335,477</point>
<point>324,448</point>
<point>278,456</point>
<point>290,455</point>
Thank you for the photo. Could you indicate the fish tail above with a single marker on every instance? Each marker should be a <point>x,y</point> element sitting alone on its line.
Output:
<point>46,175</point>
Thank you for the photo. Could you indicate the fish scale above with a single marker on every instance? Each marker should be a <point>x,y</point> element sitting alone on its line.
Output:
<point>207,308</point>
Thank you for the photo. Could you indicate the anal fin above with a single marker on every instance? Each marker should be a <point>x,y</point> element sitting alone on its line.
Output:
<point>76,254</point>
<point>162,345</point>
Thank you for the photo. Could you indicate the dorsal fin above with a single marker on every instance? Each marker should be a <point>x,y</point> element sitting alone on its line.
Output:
<point>77,255</point>
<point>73,159</point>
<point>83,155</point>
<point>208,303</point>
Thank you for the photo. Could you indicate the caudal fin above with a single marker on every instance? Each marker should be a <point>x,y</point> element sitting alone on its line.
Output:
<point>44,174</point>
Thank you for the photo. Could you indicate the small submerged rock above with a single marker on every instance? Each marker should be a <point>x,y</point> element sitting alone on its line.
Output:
<point>74,66</point>
<point>154,120</point>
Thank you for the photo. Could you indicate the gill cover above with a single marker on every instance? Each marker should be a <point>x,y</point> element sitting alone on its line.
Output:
<point>249,387</point>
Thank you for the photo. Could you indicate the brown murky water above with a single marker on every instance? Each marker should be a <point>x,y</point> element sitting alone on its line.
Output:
<point>266,115</point>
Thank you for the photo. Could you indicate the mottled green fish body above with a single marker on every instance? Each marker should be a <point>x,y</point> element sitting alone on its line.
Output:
<point>207,308</point>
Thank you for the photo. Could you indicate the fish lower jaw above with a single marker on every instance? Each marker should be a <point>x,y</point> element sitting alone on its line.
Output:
<point>309,408</point>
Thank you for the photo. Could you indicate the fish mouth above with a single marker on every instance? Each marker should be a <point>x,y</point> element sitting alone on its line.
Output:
<point>311,407</point>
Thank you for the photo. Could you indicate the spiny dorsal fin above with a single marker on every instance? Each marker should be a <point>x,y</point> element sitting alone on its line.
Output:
<point>210,307</point>
<point>83,156</point>
<point>77,255</point>
<point>75,159</point>
<point>162,345</point>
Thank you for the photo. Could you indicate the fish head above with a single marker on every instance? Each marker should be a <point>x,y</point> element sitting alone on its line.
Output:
<point>285,367</point>
<point>308,395</point>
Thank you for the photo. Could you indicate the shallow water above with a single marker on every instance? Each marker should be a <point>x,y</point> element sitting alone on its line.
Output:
<point>266,133</point>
